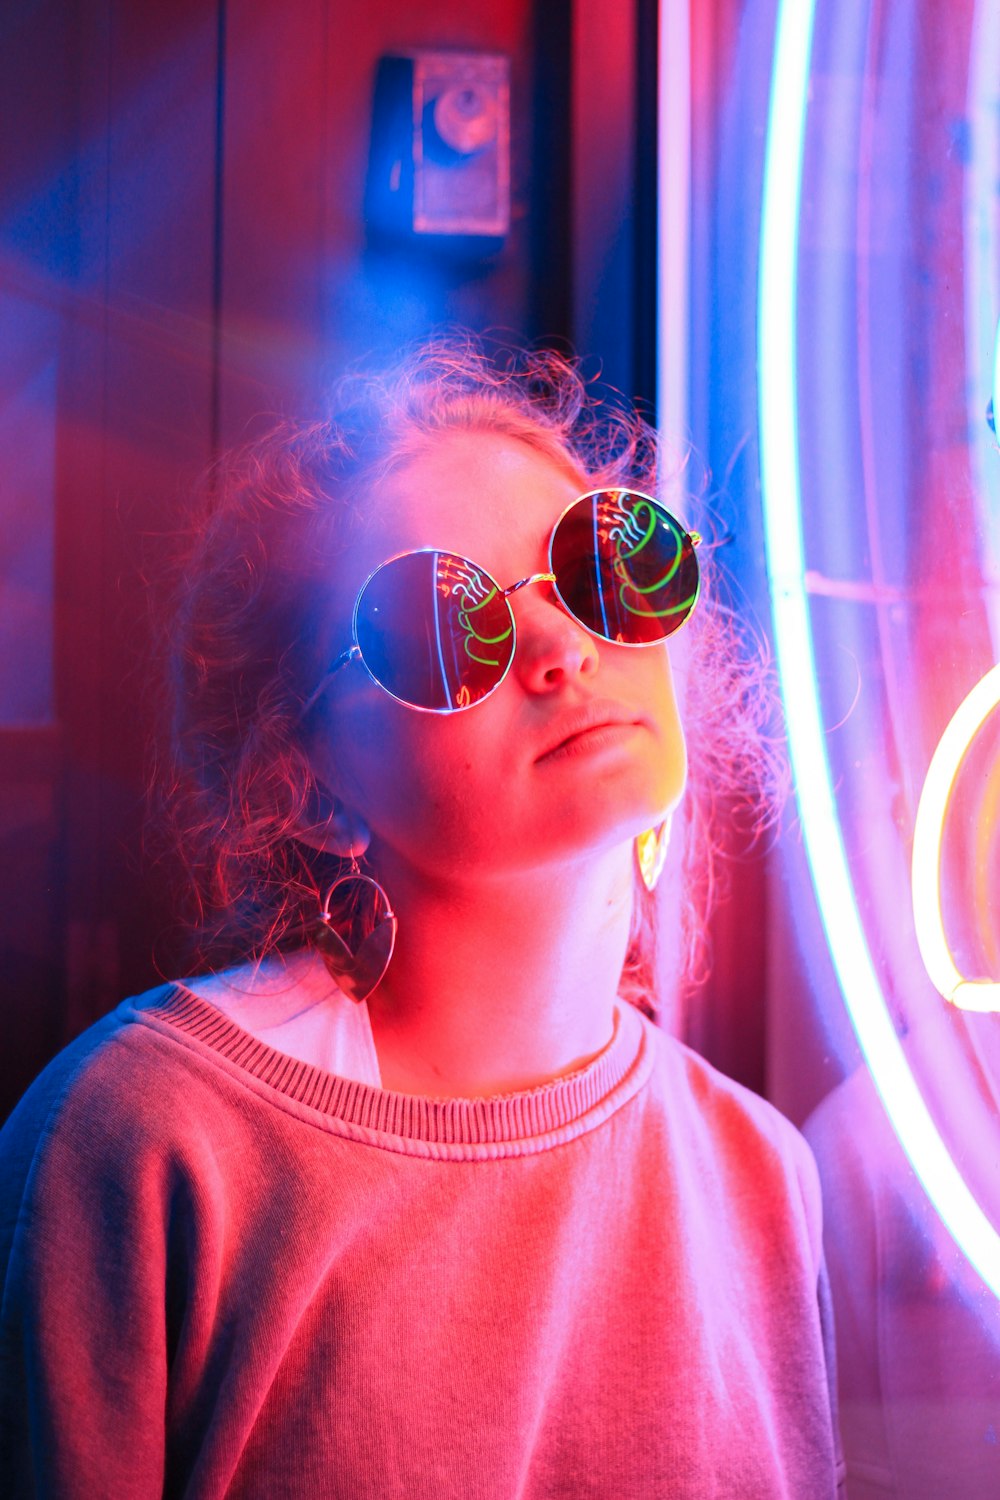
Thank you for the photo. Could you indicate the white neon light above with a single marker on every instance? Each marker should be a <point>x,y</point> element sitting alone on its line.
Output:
<point>673,218</point>
<point>981,282</point>
<point>928,835</point>
<point>777,361</point>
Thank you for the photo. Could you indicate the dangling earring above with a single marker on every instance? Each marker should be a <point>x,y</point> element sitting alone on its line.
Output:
<point>357,955</point>
<point>651,852</point>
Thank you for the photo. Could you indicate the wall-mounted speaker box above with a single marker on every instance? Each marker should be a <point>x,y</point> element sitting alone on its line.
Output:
<point>440,149</point>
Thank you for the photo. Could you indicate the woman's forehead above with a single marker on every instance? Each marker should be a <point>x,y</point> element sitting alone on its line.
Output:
<point>485,494</point>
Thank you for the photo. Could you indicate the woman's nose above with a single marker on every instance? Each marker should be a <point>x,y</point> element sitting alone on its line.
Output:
<point>553,649</point>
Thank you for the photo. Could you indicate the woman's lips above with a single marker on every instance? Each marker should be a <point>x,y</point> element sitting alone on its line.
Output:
<point>590,741</point>
<point>590,729</point>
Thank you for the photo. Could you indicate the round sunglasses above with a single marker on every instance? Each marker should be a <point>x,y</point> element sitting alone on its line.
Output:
<point>437,632</point>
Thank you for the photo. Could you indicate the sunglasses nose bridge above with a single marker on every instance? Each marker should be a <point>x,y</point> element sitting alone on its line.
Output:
<point>542,578</point>
<point>522,583</point>
<point>549,652</point>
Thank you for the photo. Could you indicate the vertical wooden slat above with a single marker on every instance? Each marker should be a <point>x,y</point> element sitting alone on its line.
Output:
<point>134,419</point>
<point>604,115</point>
<point>274,185</point>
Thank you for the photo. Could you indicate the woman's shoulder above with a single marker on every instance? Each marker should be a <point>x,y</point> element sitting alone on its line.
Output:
<point>738,1131</point>
<point>84,1117</point>
<point>80,1064</point>
<point>125,1039</point>
<point>120,1093</point>
<point>691,1077</point>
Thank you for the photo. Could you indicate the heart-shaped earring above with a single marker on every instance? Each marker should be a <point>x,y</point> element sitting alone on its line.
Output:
<point>358,950</point>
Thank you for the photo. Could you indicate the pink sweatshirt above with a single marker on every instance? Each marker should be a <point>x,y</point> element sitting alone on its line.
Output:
<point>229,1273</point>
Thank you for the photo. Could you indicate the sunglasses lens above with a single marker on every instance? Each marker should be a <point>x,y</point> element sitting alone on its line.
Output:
<point>625,567</point>
<point>434,630</point>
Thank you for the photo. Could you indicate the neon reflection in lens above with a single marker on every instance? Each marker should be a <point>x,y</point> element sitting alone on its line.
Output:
<point>434,630</point>
<point>641,549</point>
<point>624,567</point>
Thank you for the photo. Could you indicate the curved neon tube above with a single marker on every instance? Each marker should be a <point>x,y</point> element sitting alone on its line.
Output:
<point>781,491</point>
<point>928,834</point>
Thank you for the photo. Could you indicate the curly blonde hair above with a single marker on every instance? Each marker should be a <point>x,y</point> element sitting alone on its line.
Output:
<point>245,655</point>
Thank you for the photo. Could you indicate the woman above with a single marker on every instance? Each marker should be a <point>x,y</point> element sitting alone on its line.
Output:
<point>408,1199</point>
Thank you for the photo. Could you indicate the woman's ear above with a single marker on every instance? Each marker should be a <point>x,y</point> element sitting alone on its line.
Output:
<point>327,824</point>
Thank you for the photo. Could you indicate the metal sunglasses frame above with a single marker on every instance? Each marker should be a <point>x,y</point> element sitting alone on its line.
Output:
<point>353,651</point>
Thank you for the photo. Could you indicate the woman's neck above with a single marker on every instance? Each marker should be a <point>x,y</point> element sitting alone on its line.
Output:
<point>501,984</point>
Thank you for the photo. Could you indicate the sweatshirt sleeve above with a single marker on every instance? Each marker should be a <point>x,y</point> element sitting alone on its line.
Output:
<point>809,1183</point>
<point>83,1234</point>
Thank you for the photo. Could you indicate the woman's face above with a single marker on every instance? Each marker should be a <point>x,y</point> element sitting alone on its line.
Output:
<point>506,784</point>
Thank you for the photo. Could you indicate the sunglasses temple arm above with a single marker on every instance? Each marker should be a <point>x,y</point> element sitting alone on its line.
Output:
<point>350,654</point>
